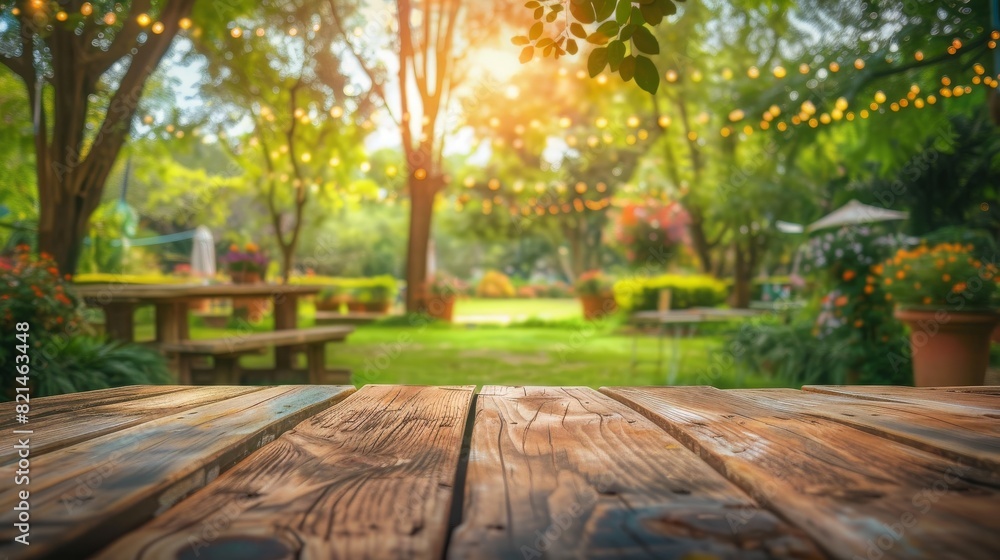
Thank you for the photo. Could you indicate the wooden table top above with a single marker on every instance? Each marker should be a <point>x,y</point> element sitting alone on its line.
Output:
<point>112,293</point>
<point>393,471</point>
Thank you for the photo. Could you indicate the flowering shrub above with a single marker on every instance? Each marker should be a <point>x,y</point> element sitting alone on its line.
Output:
<point>849,250</point>
<point>945,275</point>
<point>445,285</point>
<point>34,292</point>
<point>650,229</point>
<point>250,259</point>
<point>495,284</point>
<point>594,283</point>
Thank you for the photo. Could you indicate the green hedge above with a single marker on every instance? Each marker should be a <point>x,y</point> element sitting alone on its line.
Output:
<point>381,285</point>
<point>643,294</point>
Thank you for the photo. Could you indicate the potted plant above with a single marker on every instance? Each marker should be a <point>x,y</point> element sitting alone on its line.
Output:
<point>356,298</point>
<point>330,298</point>
<point>596,294</point>
<point>379,299</point>
<point>247,266</point>
<point>945,295</point>
<point>440,292</point>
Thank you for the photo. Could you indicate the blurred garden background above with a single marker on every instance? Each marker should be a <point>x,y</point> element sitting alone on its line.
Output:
<point>495,192</point>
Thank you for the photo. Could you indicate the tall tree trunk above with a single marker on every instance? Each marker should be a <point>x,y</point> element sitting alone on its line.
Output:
<point>702,245</point>
<point>742,276</point>
<point>71,177</point>
<point>422,194</point>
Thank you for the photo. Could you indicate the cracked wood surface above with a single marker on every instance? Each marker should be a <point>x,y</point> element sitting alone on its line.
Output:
<point>857,494</point>
<point>369,478</point>
<point>543,472</point>
<point>571,473</point>
<point>85,495</point>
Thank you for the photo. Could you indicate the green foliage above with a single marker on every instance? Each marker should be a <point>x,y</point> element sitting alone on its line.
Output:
<point>76,363</point>
<point>686,291</point>
<point>495,284</point>
<point>377,288</point>
<point>795,355</point>
<point>622,42</point>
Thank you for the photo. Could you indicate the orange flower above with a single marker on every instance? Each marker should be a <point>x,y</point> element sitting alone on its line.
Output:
<point>957,288</point>
<point>869,289</point>
<point>888,297</point>
<point>888,281</point>
<point>840,301</point>
<point>916,285</point>
<point>877,269</point>
<point>234,248</point>
<point>927,300</point>
<point>858,324</point>
<point>900,274</point>
<point>252,247</point>
<point>946,277</point>
<point>849,275</point>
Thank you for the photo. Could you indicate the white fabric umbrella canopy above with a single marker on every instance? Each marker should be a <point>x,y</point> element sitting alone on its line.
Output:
<point>855,212</point>
<point>203,253</point>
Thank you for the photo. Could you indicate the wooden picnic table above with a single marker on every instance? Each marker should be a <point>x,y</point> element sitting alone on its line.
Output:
<point>119,302</point>
<point>392,471</point>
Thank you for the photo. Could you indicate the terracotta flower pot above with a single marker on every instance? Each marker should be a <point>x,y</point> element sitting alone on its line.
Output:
<point>377,307</point>
<point>327,305</point>
<point>949,348</point>
<point>355,307</point>
<point>245,277</point>
<point>597,306</point>
<point>440,307</point>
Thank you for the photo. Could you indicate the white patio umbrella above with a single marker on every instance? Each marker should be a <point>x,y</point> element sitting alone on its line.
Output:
<point>855,212</point>
<point>203,253</point>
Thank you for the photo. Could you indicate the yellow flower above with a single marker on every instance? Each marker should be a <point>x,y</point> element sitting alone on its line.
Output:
<point>252,247</point>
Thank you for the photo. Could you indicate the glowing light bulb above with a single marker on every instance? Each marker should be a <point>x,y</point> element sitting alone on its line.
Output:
<point>879,97</point>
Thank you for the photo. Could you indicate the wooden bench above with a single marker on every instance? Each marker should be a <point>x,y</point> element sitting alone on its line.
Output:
<point>226,352</point>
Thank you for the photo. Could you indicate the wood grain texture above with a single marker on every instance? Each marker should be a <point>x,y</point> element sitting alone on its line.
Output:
<point>369,478</point>
<point>960,433</point>
<point>86,495</point>
<point>63,404</point>
<point>57,432</point>
<point>246,342</point>
<point>911,395</point>
<point>981,390</point>
<point>857,494</point>
<point>571,473</point>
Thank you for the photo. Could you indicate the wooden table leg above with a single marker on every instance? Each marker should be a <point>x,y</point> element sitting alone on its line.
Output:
<point>286,316</point>
<point>171,322</point>
<point>316,363</point>
<point>119,321</point>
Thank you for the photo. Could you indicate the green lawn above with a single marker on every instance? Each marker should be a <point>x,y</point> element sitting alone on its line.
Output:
<point>575,353</point>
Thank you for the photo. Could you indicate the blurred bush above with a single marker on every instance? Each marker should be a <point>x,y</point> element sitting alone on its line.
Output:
<point>495,284</point>
<point>643,294</point>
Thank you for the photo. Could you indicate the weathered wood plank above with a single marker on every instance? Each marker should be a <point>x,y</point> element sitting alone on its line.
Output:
<point>571,473</point>
<point>369,478</point>
<point>246,342</point>
<point>857,494</point>
<point>62,404</point>
<point>912,395</point>
<point>964,434</point>
<point>86,495</point>
<point>59,431</point>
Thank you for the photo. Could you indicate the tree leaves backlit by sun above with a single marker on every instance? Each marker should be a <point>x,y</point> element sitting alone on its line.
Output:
<point>619,30</point>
